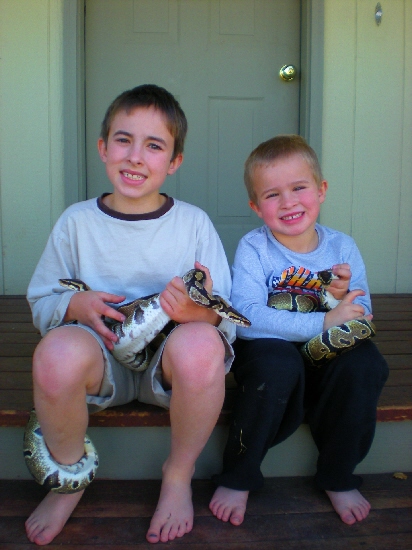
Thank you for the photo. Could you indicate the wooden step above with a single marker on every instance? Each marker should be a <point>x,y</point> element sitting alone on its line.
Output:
<point>18,339</point>
<point>287,514</point>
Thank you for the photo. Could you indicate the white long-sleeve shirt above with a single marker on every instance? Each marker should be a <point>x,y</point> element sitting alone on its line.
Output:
<point>127,255</point>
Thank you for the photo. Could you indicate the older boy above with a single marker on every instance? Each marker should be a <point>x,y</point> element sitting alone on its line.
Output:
<point>129,243</point>
<point>286,189</point>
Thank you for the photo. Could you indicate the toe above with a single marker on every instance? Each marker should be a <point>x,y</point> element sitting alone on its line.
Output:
<point>236,519</point>
<point>226,513</point>
<point>183,529</point>
<point>348,518</point>
<point>152,537</point>
<point>168,533</point>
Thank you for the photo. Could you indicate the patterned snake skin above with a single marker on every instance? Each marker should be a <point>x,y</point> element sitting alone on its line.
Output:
<point>59,478</point>
<point>331,343</point>
<point>145,319</point>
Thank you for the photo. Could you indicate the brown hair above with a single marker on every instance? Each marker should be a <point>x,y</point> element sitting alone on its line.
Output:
<point>279,147</point>
<point>150,95</point>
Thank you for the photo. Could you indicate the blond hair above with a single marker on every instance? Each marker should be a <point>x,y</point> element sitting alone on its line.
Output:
<point>276,148</point>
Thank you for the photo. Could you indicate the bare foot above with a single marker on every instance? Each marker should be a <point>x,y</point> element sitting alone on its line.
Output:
<point>351,506</point>
<point>174,513</point>
<point>229,504</point>
<point>50,516</point>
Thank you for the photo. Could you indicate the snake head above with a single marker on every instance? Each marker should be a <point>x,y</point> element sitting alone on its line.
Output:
<point>194,282</point>
<point>327,299</point>
<point>326,277</point>
<point>74,284</point>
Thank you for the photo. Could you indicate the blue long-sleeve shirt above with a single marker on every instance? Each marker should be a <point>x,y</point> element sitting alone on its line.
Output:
<point>263,266</point>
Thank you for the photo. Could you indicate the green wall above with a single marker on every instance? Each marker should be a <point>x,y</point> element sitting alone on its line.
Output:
<point>40,129</point>
<point>361,128</point>
<point>30,133</point>
<point>367,134</point>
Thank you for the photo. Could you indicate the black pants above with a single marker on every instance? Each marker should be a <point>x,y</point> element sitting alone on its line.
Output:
<point>275,392</point>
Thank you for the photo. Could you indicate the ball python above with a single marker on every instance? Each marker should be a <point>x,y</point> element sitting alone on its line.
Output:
<point>59,478</point>
<point>145,319</point>
<point>329,344</point>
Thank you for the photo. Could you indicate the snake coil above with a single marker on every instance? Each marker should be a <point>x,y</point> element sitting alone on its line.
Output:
<point>138,337</point>
<point>59,478</point>
<point>142,331</point>
<point>331,343</point>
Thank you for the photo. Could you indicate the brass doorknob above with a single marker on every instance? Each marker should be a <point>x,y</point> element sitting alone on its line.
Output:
<point>288,72</point>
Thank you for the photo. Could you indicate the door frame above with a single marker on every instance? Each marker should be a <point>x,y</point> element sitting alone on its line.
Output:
<point>73,37</point>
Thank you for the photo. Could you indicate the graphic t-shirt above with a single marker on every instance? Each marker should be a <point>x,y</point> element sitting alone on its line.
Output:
<point>265,270</point>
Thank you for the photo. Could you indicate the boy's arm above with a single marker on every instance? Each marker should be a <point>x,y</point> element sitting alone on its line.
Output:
<point>351,276</point>
<point>53,305</point>
<point>210,253</point>
<point>351,288</point>
<point>339,287</point>
<point>346,310</point>
<point>176,302</point>
<point>250,296</point>
<point>89,308</point>
<point>47,299</point>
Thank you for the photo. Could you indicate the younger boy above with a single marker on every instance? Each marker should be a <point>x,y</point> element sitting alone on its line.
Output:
<point>286,189</point>
<point>130,243</point>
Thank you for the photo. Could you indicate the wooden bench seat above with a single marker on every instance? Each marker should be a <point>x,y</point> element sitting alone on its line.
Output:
<point>18,339</point>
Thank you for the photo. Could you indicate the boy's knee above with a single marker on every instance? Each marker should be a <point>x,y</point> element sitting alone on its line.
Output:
<point>378,369</point>
<point>365,365</point>
<point>48,372</point>
<point>269,359</point>
<point>62,360</point>
<point>196,339</point>
<point>195,352</point>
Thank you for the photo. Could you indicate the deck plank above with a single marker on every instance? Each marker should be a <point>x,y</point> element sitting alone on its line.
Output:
<point>288,513</point>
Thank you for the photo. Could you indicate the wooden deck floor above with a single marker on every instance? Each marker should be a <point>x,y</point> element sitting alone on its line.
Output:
<point>18,338</point>
<point>288,513</point>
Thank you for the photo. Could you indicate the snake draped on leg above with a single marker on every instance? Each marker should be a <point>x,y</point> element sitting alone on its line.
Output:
<point>138,338</point>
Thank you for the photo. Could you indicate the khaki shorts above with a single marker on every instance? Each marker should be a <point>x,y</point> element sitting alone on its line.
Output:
<point>121,385</point>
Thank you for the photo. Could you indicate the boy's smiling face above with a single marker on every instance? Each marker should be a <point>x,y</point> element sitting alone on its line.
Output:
<point>288,200</point>
<point>138,158</point>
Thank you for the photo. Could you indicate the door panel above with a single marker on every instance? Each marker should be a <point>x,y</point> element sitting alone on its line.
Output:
<point>221,59</point>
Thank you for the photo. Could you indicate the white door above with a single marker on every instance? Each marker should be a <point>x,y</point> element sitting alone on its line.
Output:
<point>221,59</point>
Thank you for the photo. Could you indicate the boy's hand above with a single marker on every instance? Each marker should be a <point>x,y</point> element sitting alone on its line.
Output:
<point>346,311</point>
<point>176,302</point>
<point>88,307</point>
<point>339,287</point>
